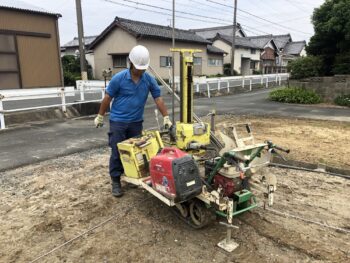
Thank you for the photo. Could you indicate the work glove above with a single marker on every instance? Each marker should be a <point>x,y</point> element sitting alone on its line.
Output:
<point>98,121</point>
<point>166,122</point>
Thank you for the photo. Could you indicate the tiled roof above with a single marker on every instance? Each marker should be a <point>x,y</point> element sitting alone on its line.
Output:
<point>279,40</point>
<point>239,41</point>
<point>75,41</point>
<point>25,7</point>
<point>153,30</point>
<point>282,40</point>
<point>260,41</point>
<point>147,30</point>
<point>211,32</point>
<point>215,50</point>
<point>294,48</point>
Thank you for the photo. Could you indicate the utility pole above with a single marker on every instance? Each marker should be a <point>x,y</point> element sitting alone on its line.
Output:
<point>81,40</point>
<point>173,67</point>
<point>233,37</point>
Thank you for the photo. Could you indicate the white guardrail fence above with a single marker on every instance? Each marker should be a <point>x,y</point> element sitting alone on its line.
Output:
<point>61,95</point>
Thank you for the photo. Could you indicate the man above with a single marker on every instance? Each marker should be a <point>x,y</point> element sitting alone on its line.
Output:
<point>128,90</point>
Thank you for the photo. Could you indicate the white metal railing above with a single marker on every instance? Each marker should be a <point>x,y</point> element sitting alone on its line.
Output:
<point>203,84</point>
<point>84,87</point>
<point>98,87</point>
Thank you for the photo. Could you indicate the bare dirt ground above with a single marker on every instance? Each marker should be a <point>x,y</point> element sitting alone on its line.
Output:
<point>46,204</point>
<point>312,141</point>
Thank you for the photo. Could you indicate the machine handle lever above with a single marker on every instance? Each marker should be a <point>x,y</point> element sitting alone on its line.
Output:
<point>282,149</point>
<point>271,145</point>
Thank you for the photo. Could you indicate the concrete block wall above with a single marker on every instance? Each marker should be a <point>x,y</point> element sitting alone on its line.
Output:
<point>327,87</point>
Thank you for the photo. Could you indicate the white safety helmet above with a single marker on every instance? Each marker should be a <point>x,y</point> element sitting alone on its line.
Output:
<point>139,57</point>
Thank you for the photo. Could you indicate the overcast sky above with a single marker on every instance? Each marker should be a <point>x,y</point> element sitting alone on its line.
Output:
<point>291,16</point>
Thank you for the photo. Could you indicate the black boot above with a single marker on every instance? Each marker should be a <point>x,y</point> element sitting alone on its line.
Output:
<point>116,187</point>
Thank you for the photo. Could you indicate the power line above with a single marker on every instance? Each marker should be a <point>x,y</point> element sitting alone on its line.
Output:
<point>254,29</point>
<point>283,21</point>
<point>230,13</point>
<point>168,9</point>
<point>221,9</point>
<point>257,32</point>
<point>190,6</point>
<point>217,21</point>
<point>261,18</point>
<point>296,6</point>
<point>161,13</point>
<point>242,17</point>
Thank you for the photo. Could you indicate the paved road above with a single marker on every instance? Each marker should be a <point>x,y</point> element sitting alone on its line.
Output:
<point>256,103</point>
<point>38,142</point>
<point>234,84</point>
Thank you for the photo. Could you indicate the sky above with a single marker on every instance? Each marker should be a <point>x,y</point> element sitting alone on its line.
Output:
<point>257,17</point>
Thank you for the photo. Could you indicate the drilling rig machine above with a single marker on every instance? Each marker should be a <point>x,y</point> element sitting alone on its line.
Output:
<point>188,168</point>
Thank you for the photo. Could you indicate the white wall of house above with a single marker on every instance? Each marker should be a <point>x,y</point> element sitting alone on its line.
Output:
<point>91,60</point>
<point>270,45</point>
<point>207,64</point>
<point>121,42</point>
<point>70,51</point>
<point>160,48</point>
<point>117,41</point>
<point>303,53</point>
<point>239,54</point>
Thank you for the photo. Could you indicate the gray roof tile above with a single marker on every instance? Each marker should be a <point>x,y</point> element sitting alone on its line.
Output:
<point>215,50</point>
<point>157,31</point>
<point>75,41</point>
<point>147,30</point>
<point>260,41</point>
<point>240,41</point>
<point>279,40</point>
<point>210,32</point>
<point>282,40</point>
<point>26,7</point>
<point>294,48</point>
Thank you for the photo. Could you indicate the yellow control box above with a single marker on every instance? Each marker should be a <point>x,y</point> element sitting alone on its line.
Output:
<point>135,153</point>
<point>187,133</point>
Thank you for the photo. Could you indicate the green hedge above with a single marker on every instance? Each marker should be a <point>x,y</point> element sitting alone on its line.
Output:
<point>305,67</point>
<point>295,95</point>
<point>343,100</point>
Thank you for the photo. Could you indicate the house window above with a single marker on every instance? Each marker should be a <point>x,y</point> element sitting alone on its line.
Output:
<point>252,64</point>
<point>165,61</point>
<point>120,61</point>
<point>214,62</point>
<point>277,60</point>
<point>197,61</point>
<point>9,69</point>
<point>252,51</point>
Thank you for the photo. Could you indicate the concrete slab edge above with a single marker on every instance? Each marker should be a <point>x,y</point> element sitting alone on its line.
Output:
<point>312,166</point>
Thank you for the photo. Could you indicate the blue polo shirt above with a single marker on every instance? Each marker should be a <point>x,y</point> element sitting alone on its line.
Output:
<point>129,99</point>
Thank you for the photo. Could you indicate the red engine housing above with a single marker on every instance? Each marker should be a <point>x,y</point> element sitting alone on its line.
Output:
<point>229,185</point>
<point>175,174</point>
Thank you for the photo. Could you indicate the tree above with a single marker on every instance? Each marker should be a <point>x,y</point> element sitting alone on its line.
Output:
<point>71,70</point>
<point>332,36</point>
